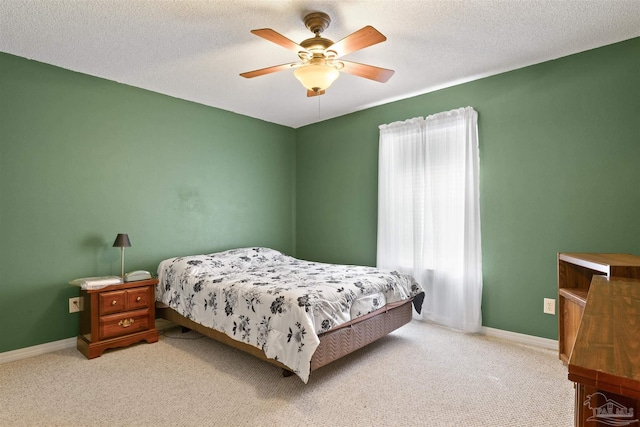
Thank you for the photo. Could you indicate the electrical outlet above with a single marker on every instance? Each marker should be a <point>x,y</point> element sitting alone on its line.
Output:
<point>75,304</point>
<point>549,306</point>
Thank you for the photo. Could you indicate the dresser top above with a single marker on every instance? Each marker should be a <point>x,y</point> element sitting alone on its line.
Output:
<point>615,260</point>
<point>606,347</point>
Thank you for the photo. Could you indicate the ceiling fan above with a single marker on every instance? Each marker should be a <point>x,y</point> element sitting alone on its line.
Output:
<point>319,65</point>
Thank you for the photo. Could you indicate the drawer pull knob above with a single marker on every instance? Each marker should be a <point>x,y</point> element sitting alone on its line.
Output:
<point>138,299</point>
<point>114,302</point>
<point>126,323</point>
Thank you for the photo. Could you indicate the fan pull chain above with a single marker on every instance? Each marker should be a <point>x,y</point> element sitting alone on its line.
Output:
<point>318,107</point>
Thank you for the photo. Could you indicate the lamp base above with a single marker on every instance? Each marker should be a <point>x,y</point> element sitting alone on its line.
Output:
<point>122,262</point>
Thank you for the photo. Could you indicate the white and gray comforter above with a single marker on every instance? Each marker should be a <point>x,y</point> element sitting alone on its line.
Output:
<point>273,301</point>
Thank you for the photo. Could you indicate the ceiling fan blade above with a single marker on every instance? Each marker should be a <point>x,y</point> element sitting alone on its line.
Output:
<point>279,39</point>
<point>367,71</point>
<point>268,70</point>
<point>311,93</point>
<point>364,37</point>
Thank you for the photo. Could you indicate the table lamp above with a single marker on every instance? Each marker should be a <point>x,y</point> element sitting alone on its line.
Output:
<point>122,241</point>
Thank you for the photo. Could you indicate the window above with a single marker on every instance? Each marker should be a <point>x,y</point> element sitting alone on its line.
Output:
<point>429,213</point>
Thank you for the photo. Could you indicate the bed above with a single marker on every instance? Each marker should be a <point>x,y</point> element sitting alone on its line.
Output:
<point>298,315</point>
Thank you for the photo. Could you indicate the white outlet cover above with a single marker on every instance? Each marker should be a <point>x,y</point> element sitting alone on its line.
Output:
<point>75,305</point>
<point>549,306</point>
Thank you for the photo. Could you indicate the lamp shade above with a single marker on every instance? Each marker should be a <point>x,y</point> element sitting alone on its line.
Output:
<point>122,241</point>
<point>316,76</point>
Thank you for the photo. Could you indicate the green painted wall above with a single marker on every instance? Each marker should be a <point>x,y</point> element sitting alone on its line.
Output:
<point>559,170</point>
<point>82,159</point>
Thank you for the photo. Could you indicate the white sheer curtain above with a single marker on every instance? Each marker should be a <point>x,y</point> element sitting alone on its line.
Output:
<point>429,212</point>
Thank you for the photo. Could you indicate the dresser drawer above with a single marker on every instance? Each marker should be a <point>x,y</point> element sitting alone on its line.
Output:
<point>116,325</point>
<point>119,301</point>
<point>138,298</point>
<point>112,302</point>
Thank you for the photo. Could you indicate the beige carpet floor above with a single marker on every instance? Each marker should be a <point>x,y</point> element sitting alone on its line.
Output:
<point>420,375</point>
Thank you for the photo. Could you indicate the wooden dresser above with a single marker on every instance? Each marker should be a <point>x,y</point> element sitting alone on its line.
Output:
<point>605,362</point>
<point>117,316</point>
<point>575,271</point>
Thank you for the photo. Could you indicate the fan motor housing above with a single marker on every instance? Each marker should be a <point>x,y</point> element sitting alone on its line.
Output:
<point>316,44</point>
<point>317,22</point>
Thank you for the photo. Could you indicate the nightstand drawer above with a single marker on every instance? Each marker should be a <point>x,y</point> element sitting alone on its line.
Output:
<point>112,302</point>
<point>116,325</point>
<point>138,298</point>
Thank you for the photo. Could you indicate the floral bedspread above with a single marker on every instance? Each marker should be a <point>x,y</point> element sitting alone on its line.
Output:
<point>273,301</point>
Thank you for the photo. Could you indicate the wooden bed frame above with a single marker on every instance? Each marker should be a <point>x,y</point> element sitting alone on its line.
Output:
<point>334,344</point>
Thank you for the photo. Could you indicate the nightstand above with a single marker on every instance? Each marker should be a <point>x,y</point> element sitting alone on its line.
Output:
<point>117,316</point>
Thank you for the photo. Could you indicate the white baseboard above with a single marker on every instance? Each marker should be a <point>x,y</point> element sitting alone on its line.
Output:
<point>36,350</point>
<point>521,338</point>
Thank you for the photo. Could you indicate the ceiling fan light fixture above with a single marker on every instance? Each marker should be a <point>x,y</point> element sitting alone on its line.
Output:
<point>320,64</point>
<point>316,76</point>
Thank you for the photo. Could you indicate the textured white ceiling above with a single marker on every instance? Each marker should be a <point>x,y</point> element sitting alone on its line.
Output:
<point>195,49</point>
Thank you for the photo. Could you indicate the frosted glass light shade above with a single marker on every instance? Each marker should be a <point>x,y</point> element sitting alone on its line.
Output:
<point>316,77</point>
